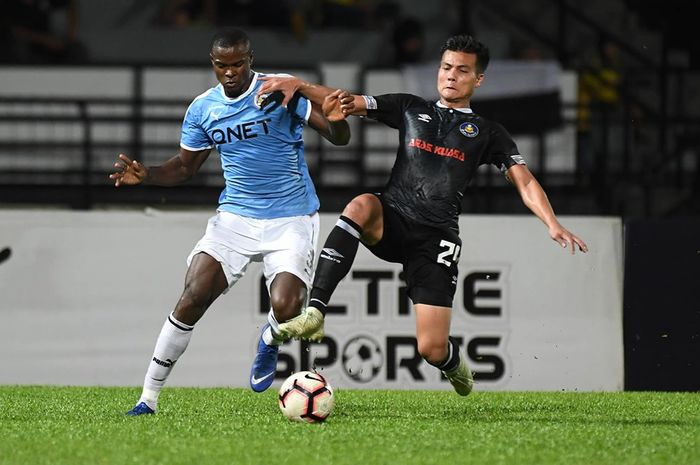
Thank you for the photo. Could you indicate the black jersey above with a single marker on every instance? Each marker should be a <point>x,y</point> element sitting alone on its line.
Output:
<point>439,152</point>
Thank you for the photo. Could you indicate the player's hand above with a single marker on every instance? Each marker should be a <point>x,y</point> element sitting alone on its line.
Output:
<point>566,239</point>
<point>128,172</point>
<point>333,106</point>
<point>287,85</point>
<point>347,102</point>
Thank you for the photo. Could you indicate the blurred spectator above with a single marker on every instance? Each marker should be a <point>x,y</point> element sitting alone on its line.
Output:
<point>264,13</point>
<point>223,13</point>
<point>183,14</point>
<point>528,51</point>
<point>403,38</point>
<point>345,13</point>
<point>40,31</point>
<point>462,10</point>
<point>598,105</point>
<point>409,42</point>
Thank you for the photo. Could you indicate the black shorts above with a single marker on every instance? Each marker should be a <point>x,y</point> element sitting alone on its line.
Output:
<point>429,257</point>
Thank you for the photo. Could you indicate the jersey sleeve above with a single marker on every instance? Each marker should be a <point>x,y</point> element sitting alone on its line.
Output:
<point>300,107</point>
<point>388,108</point>
<point>502,151</point>
<point>192,136</point>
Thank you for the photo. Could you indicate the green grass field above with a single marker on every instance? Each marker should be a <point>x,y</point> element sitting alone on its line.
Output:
<point>77,425</point>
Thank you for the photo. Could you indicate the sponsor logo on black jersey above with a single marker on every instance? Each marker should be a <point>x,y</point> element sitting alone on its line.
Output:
<point>437,149</point>
<point>470,130</point>
<point>425,118</point>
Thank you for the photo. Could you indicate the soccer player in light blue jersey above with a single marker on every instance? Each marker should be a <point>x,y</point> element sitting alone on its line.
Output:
<point>267,211</point>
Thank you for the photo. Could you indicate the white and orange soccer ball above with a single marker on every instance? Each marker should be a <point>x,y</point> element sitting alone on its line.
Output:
<point>306,396</point>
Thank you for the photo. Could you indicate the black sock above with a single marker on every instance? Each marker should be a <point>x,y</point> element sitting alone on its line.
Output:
<point>452,360</point>
<point>335,261</point>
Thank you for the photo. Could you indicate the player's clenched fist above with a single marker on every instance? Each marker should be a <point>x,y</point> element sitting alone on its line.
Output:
<point>335,105</point>
<point>128,172</point>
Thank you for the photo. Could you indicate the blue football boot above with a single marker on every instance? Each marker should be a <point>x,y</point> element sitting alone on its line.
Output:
<point>262,374</point>
<point>140,409</point>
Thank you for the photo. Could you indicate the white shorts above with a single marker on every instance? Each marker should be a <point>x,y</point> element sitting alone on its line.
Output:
<point>281,244</point>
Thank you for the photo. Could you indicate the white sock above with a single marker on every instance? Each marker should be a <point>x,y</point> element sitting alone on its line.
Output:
<point>271,335</point>
<point>172,342</point>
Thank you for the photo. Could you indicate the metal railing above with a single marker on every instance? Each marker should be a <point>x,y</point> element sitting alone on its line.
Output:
<point>71,167</point>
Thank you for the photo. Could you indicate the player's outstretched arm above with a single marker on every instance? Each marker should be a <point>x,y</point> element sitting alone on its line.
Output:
<point>341,103</point>
<point>355,105</point>
<point>316,93</point>
<point>289,85</point>
<point>329,120</point>
<point>176,170</point>
<point>535,199</point>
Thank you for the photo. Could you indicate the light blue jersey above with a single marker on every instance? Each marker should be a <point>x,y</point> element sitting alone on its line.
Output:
<point>261,150</point>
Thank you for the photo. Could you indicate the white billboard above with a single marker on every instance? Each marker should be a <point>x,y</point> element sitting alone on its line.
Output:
<point>83,296</point>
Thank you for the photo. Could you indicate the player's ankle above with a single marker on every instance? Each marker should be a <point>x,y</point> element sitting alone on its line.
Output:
<point>319,305</point>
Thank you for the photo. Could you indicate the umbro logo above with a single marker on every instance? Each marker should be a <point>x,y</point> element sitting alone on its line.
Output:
<point>425,118</point>
<point>518,159</point>
<point>331,254</point>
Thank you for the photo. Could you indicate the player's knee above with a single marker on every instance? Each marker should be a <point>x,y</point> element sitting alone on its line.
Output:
<point>285,305</point>
<point>192,305</point>
<point>360,209</point>
<point>433,351</point>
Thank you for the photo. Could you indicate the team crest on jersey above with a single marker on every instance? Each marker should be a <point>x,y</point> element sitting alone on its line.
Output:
<point>470,130</point>
<point>261,100</point>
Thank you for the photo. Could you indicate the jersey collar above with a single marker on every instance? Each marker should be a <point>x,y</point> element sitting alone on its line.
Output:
<point>253,81</point>
<point>463,110</point>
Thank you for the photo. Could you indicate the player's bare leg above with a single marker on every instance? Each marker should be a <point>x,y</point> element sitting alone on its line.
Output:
<point>204,282</point>
<point>287,295</point>
<point>435,346</point>
<point>361,220</point>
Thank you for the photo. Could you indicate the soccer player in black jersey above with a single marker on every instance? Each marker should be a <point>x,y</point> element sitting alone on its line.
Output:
<point>415,220</point>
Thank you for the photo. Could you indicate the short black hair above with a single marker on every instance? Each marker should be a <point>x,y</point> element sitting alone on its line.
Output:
<point>468,44</point>
<point>230,37</point>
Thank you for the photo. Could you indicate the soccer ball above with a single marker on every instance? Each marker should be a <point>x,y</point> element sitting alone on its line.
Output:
<point>306,396</point>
